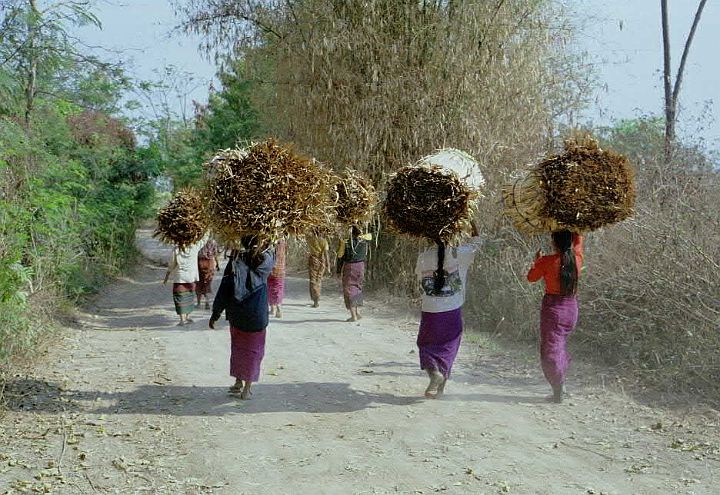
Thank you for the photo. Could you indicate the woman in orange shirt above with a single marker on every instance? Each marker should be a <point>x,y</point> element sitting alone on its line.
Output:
<point>559,311</point>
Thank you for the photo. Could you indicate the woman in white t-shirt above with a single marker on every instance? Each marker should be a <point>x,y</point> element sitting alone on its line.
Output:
<point>184,265</point>
<point>442,272</point>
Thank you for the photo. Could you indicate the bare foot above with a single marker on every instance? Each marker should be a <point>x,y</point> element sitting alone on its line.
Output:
<point>246,393</point>
<point>352,318</point>
<point>436,380</point>
<point>441,388</point>
<point>237,388</point>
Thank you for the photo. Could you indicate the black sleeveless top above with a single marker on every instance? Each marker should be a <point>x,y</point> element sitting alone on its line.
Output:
<point>356,250</point>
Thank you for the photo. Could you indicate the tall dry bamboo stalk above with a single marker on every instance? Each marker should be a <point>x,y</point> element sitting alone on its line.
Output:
<point>375,84</point>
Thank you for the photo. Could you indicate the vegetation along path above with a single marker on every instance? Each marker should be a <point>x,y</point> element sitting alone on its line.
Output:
<point>129,403</point>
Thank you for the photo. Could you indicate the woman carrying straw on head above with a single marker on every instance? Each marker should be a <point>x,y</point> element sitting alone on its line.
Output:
<point>243,295</point>
<point>442,272</point>
<point>559,310</point>
<point>318,264</point>
<point>208,264</point>
<point>184,266</point>
<point>276,282</point>
<point>351,258</point>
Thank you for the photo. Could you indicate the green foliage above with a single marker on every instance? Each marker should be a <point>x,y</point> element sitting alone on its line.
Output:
<point>178,146</point>
<point>229,117</point>
<point>73,185</point>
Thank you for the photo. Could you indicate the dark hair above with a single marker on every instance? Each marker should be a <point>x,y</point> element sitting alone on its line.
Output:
<point>439,275</point>
<point>568,267</point>
<point>252,256</point>
<point>356,231</point>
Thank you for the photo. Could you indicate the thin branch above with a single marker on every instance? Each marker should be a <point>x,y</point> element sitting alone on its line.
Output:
<point>686,51</point>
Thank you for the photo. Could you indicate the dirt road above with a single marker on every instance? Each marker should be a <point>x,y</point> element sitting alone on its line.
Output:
<point>127,402</point>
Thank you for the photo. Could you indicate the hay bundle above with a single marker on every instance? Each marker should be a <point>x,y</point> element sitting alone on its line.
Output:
<point>266,190</point>
<point>182,222</point>
<point>581,190</point>
<point>356,198</point>
<point>428,201</point>
<point>459,162</point>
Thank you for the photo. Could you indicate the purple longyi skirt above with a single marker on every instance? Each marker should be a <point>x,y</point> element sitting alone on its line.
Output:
<point>247,350</point>
<point>558,317</point>
<point>276,289</point>
<point>439,340</point>
<point>353,277</point>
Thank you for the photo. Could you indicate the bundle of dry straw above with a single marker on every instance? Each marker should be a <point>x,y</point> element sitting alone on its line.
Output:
<point>182,222</point>
<point>580,190</point>
<point>266,190</point>
<point>356,198</point>
<point>428,201</point>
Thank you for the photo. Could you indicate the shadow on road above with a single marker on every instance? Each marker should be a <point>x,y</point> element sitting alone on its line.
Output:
<point>30,395</point>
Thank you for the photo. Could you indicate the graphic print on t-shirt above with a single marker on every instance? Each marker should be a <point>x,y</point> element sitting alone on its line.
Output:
<point>453,284</point>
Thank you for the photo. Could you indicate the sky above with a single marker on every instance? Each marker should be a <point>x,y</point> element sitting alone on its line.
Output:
<point>624,41</point>
<point>621,37</point>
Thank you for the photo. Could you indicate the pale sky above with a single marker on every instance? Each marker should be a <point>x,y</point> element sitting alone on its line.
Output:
<point>622,38</point>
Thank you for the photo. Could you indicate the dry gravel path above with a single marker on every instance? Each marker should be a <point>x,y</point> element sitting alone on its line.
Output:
<point>126,402</point>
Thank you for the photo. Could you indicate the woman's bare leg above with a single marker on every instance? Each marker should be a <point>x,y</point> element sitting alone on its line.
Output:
<point>436,380</point>
<point>246,390</point>
<point>237,387</point>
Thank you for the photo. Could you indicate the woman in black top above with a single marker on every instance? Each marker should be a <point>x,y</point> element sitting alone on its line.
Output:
<point>352,255</point>
<point>243,295</point>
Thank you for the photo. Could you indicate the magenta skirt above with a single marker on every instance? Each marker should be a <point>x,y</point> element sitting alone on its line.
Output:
<point>247,350</point>
<point>439,340</point>
<point>558,317</point>
<point>276,290</point>
<point>353,277</point>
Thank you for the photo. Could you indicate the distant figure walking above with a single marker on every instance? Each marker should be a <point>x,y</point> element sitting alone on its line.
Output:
<point>243,295</point>
<point>318,264</point>
<point>208,264</point>
<point>442,272</point>
<point>559,311</point>
<point>276,282</point>
<point>351,257</point>
<point>184,268</point>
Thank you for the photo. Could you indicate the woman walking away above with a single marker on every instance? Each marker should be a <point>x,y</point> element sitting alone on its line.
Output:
<point>559,311</point>
<point>351,257</point>
<point>276,282</point>
<point>243,295</point>
<point>318,263</point>
<point>442,272</point>
<point>184,266</point>
<point>208,264</point>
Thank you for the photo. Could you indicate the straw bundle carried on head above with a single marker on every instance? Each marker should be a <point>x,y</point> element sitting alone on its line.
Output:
<point>266,190</point>
<point>356,198</point>
<point>182,221</point>
<point>580,190</point>
<point>428,201</point>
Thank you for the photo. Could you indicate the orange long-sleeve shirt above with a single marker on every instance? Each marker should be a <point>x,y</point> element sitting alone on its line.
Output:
<point>548,267</point>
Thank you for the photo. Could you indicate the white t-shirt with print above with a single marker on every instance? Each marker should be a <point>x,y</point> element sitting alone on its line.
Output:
<point>457,262</point>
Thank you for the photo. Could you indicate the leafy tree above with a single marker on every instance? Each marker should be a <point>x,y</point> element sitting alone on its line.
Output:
<point>73,184</point>
<point>230,116</point>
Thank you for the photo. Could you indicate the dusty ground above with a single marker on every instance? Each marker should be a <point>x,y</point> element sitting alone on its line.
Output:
<point>128,403</point>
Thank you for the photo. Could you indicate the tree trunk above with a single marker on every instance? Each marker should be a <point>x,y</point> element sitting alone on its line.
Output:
<point>672,91</point>
<point>31,83</point>
<point>667,82</point>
